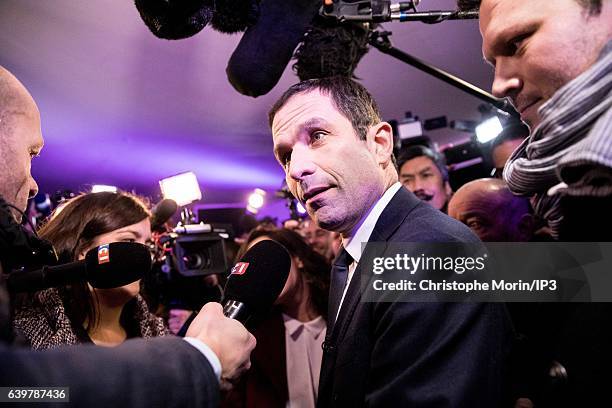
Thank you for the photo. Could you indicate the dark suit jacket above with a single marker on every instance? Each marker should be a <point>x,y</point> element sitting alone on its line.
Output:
<point>414,354</point>
<point>159,372</point>
<point>584,329</point>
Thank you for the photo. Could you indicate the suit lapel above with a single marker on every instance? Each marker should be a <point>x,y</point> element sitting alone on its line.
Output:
<point>392,217</point>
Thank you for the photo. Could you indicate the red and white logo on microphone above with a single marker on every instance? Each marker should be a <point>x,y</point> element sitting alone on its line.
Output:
<point>240,268</point>
<point>103,254</point>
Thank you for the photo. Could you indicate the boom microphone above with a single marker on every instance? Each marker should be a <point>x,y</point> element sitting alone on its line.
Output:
<point>107,266</point>
<point>175,19</point>
<point>330,49</point>
<point>256,281</point>
<point>233,16</point>
<point>267,46</point>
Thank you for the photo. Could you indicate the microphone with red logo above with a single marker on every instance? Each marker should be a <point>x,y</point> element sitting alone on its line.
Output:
<point>256,282</point>
<point>107,266</point>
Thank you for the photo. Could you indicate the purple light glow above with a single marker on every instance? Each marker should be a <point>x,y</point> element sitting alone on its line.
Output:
<point>140,162</point>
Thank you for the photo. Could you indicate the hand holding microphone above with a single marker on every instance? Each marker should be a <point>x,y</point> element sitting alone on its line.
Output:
<point>252,288</point>
<point>256,282</point>
<point>227,338</point>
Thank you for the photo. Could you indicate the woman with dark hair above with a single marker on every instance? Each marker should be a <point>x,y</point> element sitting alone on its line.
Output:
<point>304,296</point>
<point>285,364</point>
<point>80,313</point>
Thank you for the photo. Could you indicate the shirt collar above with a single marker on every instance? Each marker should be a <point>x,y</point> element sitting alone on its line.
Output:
<point>353,244</point>
<point>314,326</point>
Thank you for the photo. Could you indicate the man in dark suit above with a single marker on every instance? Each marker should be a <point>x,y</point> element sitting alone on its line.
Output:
<point>140,373</point>
<point>160,372</point>
<point>337,156</point>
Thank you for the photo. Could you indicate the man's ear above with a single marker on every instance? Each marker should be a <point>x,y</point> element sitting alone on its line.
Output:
<point>84,251</point>
<point>382,139</point>
<point>448,189</point>
<point>526,226</point>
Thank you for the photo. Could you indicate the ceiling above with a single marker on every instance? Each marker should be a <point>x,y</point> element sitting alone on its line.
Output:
<point>122,107</point>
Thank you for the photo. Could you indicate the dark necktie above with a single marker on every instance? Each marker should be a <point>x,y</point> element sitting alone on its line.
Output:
<point>339,274</point>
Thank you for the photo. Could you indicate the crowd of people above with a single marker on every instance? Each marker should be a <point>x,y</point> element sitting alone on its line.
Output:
<point>323,344</point>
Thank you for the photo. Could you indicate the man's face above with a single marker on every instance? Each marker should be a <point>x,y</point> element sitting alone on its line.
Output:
<point>20,141</point>
<point>482,217</point>
<point>333,173</point>
<point>537,46</point>
<point>422,177</point>
<point>493,215</point>
<point>319,239</point>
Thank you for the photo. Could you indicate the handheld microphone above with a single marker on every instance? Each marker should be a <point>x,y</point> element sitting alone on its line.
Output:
<point>253,285</point>
<point>162,212</point>
<point>107,266</point>
<point>256,282</point>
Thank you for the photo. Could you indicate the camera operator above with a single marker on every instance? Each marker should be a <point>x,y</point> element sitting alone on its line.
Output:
<point>138,372</point>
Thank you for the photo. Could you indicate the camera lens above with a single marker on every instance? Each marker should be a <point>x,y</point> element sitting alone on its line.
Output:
<point>196,260</point>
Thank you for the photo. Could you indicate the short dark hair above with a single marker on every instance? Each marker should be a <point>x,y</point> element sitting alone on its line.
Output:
<point>592,6</point>
<point>419,150</point>
<point>75,225</point>
<point>348,96</point>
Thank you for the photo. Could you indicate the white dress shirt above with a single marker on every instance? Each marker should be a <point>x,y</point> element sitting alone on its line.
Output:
<point>362,234</point>
<point>208,353</point>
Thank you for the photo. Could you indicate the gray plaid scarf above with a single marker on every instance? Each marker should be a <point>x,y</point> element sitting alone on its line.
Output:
<point>570,152</point>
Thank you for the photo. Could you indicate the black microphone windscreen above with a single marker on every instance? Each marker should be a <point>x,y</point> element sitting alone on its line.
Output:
<point>258,279</point>
<point>330,49</point>
<point>266,47</point>
<point>232,16</point>
<point>117,264</point>
<point>162,212</point>
<point>175,19</point>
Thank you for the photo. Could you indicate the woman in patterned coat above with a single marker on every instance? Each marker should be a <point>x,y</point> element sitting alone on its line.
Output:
<point>79,313</point>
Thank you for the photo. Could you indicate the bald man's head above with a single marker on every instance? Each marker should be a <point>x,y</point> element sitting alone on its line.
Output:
<point>489,208</point>
<point>20,141</point>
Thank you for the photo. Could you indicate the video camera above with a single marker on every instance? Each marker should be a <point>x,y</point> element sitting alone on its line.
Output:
<point>193,250</point>
<point>185,258</point>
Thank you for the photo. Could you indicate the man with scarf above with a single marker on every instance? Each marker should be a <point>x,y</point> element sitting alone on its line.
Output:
<point>553,59</point>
